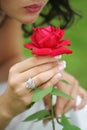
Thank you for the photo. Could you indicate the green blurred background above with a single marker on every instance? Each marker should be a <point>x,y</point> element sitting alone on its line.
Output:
<point>76,62</point>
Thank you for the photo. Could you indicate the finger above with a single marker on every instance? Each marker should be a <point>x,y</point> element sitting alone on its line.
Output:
<point>61,101</point>
<point>47,101</point>
<point>71,103</point>
<point>45,76</point>
<point>83,95</point>
<point>24,76</point>
<point>25,94</point>
<point>82,104</point>
<point>58,57</point>
<point>62,65</point>
<point>31,62</point>
<point>35,71</point>
<point>38,79</point>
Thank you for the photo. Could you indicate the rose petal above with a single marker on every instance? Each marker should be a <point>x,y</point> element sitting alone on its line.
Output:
<point>48,42</point>
<point>35,40</point>
<point>29,46</point>
<point>42,52</point>
<point>65,42</point>
<point>59,33</point>
<point>45,31</point>
<point>43,42</point>
<point>50,29</point>
<point>60,51</point>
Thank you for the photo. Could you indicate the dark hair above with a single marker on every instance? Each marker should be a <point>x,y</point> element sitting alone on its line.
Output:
<point>55,9</point>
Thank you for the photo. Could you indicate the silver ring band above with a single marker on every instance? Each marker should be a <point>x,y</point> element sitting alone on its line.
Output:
<point>30,84</point>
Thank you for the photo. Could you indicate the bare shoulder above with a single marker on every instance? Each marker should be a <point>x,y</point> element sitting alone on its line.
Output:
<point>10,39</point>
<point>10,45</point>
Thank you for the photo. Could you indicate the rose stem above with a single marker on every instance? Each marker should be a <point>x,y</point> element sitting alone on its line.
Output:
<point>52,112</point>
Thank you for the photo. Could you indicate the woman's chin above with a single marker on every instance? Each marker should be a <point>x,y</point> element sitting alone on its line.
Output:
<point>27,20</point>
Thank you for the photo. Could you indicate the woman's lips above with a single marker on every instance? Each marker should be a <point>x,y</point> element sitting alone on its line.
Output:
<point>33,8</point>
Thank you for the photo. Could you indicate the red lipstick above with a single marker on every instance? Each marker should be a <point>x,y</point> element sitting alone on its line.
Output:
<point>33,8</point>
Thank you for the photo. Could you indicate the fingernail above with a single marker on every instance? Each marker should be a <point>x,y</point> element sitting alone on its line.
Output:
<point>58,115</point>
<point>59,118</point>
<point>54,100</point>
<point>45,122</point>
<point>58,57</point>
<point>59,75</point>
<point>61,65</point>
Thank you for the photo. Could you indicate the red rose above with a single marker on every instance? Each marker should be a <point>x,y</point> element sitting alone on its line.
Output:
<point>48,41</point>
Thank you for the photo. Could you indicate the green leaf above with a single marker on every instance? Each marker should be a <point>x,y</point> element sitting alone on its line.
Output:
<point>57,92</point>
<point>38,115</point>
<point>40,93</point>
<point>67,125</point>
<point>47,117</point>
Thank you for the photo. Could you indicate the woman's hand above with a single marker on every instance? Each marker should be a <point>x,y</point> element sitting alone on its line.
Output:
<point>43,70</point>
<point>73,89</point>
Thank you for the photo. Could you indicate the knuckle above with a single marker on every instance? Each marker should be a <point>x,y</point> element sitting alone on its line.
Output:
<point>24,101</point>
<point>17,93</point>
<point>75,82</point>
<point>12,82</point>
<point>13,68</point>
<point>73,79</point>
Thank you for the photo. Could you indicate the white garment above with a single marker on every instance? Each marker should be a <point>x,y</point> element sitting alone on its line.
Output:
<point>78,118</point>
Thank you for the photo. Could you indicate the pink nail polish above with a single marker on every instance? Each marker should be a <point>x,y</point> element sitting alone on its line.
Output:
<point>61,65</point>
<point>58,57</point>
<point>58,76</point>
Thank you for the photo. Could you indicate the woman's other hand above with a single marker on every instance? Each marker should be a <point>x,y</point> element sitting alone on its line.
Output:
<point>73,89</point>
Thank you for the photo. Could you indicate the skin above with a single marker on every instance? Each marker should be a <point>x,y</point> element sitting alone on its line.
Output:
<point>15,9</point>
<point>11,66</point>
<point>63,105</point>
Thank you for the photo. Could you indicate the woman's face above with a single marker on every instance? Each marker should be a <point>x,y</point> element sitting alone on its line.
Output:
<point>25,11</point>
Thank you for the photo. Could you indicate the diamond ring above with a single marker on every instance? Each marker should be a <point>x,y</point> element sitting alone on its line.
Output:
<point>30,84</point>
